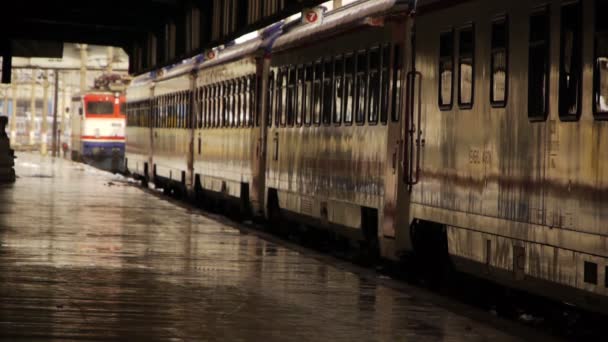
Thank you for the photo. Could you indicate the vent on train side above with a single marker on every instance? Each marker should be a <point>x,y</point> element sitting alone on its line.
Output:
<point>590,273</point>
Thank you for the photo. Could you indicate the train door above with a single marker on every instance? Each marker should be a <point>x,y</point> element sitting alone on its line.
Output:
<point>260,108</point>
<point>399,173</point>
<point>193,116</point>
<point>155,120</point>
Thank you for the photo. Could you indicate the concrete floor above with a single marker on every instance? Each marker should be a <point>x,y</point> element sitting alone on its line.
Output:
<point>84,255</point>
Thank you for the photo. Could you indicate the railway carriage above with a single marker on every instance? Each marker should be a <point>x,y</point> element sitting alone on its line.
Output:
<point>138,151</point>
<point>335,121</point>
<point>228,159</point>
<point>171,126</point>
<point>514,168</point>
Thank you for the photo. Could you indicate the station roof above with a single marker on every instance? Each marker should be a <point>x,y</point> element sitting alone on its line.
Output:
<point>154,32</point>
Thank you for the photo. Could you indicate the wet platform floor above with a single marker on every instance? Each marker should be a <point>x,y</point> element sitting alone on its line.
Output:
<point>84,255</point>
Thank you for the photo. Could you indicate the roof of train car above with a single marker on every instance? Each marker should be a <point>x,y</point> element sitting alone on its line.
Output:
<point>233,52</point>
<point>79,96</point>
<point>431,5</point>
<point>340,18</point>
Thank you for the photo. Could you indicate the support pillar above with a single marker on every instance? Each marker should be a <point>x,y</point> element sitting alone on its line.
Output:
<point>13,120</point>
<point>32,119</point>
<point>55,109</point>
<point>83,68</point>
<point>44,125</point>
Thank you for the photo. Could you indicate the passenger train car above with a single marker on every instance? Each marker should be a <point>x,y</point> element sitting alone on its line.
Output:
<point>98,129</point>
<point>467,133</point>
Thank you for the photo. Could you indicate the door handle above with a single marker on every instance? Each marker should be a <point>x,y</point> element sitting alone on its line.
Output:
<point>394,160</point>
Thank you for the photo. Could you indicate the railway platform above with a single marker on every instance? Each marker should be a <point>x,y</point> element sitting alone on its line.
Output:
<point>87,255</point>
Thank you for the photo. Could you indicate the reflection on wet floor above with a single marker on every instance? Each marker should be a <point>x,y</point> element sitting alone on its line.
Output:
<point>85,255</point>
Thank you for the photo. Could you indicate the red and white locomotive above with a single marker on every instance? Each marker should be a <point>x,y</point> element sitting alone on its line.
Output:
<point>98,129</point>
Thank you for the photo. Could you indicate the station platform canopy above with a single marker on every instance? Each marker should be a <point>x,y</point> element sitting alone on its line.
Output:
<point>154,33</point>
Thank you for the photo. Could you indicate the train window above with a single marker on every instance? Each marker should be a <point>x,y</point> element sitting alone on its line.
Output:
<point>374,85</point>
<point>174,110</point>
<point>300,95</point>
<point>242,106</point>
<point>237,100</point>
<point>167,112</point>
<point>283,97</point>
<point>328,93</point>
<point>538,66</point>
<point>180,110</point>
<point>100,107</point>
<point>361,86</point>
<point>207,105</point>
<point>384,81</point>
<point>177,103</point>
<point>249,101</point>
<point>318,75</point>
<point>446,70</point>
<point>590,271</point>
<point>253,104</point>
<point>212,111</point>
<point>224,105</point>
<point>606,276</point>
<point>349,88</point>
<point>397,76</point>
<point>233,113</point>
<point>466,67</point>
<point>217,105</point>
<point>338,89</point>
<point>571,70</point>
<point>499,63</point>
<point>236,103</point>
<point>600,75</point>
<point>308,95</point>
<point>291,96</point>
<point>269,99</point>
<point>199,107</point>
<point>228,108</point>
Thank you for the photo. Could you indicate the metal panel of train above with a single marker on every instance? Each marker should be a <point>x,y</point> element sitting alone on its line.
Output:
<point>467,131</point>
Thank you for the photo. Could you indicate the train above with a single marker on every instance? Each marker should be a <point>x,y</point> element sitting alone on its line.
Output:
<point>471,133</point>
<point>98,129</point>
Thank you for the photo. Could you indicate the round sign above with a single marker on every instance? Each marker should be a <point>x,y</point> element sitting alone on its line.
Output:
<point>312,17</point>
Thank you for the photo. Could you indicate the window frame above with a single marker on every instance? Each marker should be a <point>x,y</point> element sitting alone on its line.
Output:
<point>597,114</point>
<point>360,121</point>
<point>317,92</point>
<point>466,105</point>
<point>353,84</point>
<point>327,117</point>
<point>504,19</point>
<point>337,121</point>
<point>546,11</point>
<point>452,56</point>
<point>378,49</point>
<point>565,117</point>
<point>309,100</point>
